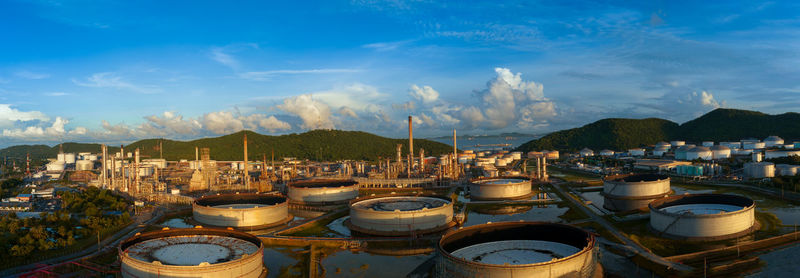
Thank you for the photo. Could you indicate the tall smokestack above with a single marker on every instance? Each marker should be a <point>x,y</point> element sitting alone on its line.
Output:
<point>410,142</point>
<point>105,167</point>
<point>246,171</point>
<point>196,153</point>
<point>455,154</point>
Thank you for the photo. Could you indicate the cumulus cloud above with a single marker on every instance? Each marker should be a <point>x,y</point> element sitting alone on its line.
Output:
<point>346,111</point>
<point>426,94</point>
<point>169,123</point>
<point>272,124</point>
<point>10,115</point>
<point>222,122</point>
<point>314,114</point>
<point>405,106</point>
<point>55,129</point>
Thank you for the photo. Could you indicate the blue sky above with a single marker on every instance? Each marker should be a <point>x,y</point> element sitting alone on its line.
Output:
<point>117,71</point>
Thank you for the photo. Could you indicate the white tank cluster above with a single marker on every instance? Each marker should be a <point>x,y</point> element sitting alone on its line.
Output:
<point>499,188</point>
<point>84,165</point>
<point>720,152</point>
<point>517,249</point>
<point>68,158</point>
<point>699,152</point>
<point>703,216</point>
<point>631,192</point>
<point>242,210</point>
<point>759,170</point>
<point>194,252</point>
<point>400,215</point>
<point>322,191</point>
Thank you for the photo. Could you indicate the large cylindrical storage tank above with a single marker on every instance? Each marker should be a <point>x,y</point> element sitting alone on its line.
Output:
<point>516,155</point>
<point>606,153</point>
<point>586,152</point>
<point>322,191</point>
<point>84,165</point>
<point>551,155</point>
<point>660,151</point>
<point>759,170</point>
<point>517,249</point>
<point>676,144</point>
<point>499,188</point>
<point>636,152</point>
<point>699,152</point>
<point>663,144</point>
<point>69,158</point>
<point>773,141</point>
<point>160,163</point>
<point>194,252</point>
<point>707,144</point>
<point>501,163</point>
<point>680,152</point>
<point>786,170</point>
<point>56,166</point>
<point>631,192</point>
<point>720,152</point>
<point>400,215</point>
<point>703,216</point>
<point>749,145</point>
<point>241,210</point>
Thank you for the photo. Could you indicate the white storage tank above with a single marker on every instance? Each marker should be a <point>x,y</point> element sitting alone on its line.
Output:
<point>703,216</point>
<point>245,210</point>
<point>753,145</point>
<point>400,215</point>
<point>636,152</point>
<point>551,155</point>
<point>663,144</point>
<point>660,151</point>
<point>606,152</point>
<point>69,158</point>
<point>732,145</point>
<point>699,152</point>
<point>500,163</point>
<point>680,152</point>
<point>676,144</point>
<point>759,170</point>
<point>708,143</point>
<point>586,152</point>
<point>773,141</point>
<point>786,170</point>
<point>516,155</point>
<point>55,166</point>
<point>159,163</point>
<point>499,188</point>
<point>84,165</point>
<point>720,152</point>
<point>742,152</point>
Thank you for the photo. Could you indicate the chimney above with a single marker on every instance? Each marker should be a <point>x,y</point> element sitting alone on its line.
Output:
<point>246,170</point>
<point>455,155</point>
<point>196,153</point>
<point>105,167</point>
<point>410,142</point>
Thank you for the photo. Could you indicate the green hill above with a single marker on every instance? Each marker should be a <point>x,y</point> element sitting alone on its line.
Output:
<point>718,125</point>
<point>316,144</point>
<point>606,134</point>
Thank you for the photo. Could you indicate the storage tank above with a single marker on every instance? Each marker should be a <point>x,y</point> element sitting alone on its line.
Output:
<point>703,153</point>
<point>707,144</point>
<point>773,141</point>
<point>732,145</point>
<point>93,157</point>
<point>516,155</point>
<point>501,163</point>
<point>242,210</point>
<point>703,216</point>
<point>517,249</point>
<point>720,152</point>
<point>786,170</point>
<point>606,153</point>
<point>759,170</point>
<point>636,152</point>
<point>400,215</point>
<point>780,153</point>
<point>680,152</point>
<point>753,145</point>
<point>84,165</point>
<point>160,163</point>
<point>634,191</point>
<point>322,191</point>
<point>660,151</point>
<point>586,152</point>
<point>742,152</point>
<point>676,144</point>
<point>193,252</point>
<point>69,158</point>
<point>551,155</point>
<point>55,166</point>
<point>502,188</point>
<point>663,144</point>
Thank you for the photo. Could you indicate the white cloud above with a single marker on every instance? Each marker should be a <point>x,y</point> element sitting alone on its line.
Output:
<point>510,100</point>
<point>405,106</point>
<point>266,75</point>
<point>120,130</point>
<point>222,122</point>
<point>219,55</point>
<point>10,115</point>
<point>112,80</point>
<point>56,94</point>
<point>56,129</point>
<point>314,114</point>
<point>272,124</point>
<point>357,96</point>
<point>426,94</point>
<point>31,75</point>
<point>346,111</point>
<point>169,123</point>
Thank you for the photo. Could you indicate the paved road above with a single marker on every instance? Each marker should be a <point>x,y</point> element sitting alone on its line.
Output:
<point>635,246</point>
<point>108,243</point>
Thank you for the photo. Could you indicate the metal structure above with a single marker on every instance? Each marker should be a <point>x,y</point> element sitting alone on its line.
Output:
<point>517,249</point>
<point>194,252</point>
<point>631,192</point>
<point>322,191</point>
<point>703,216</point>
<point>400,215</point>
<point>242,210</point>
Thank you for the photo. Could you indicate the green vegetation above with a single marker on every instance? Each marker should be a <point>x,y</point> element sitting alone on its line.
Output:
<point>718,125</point>
<point>52,234</point>
<point>315,145</point>
<point>793,160</point>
